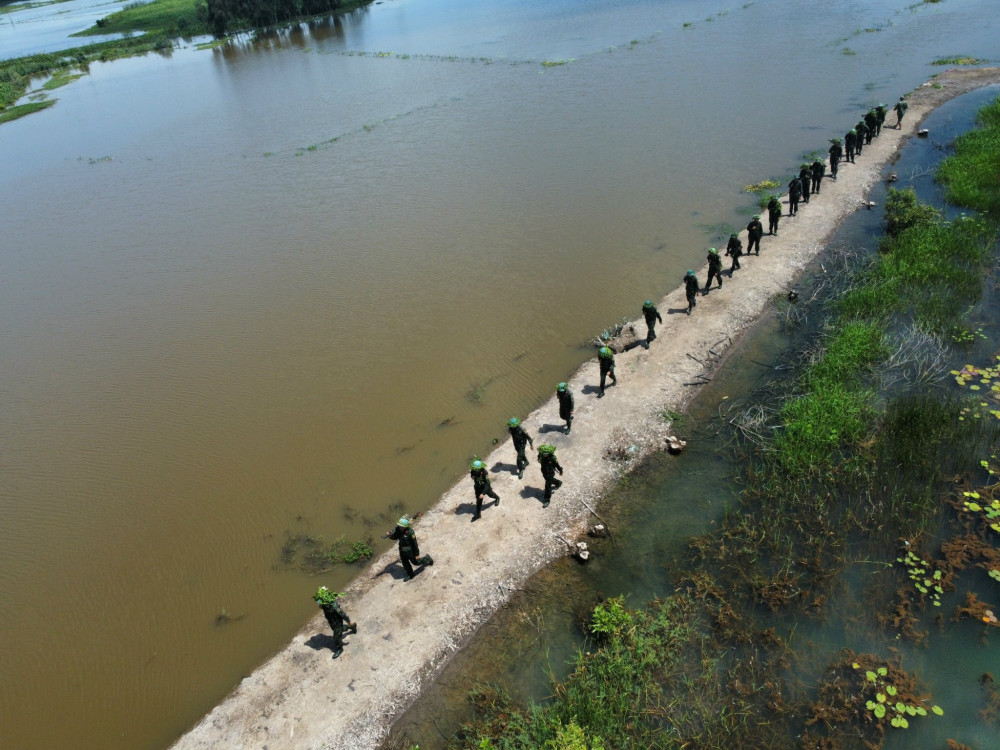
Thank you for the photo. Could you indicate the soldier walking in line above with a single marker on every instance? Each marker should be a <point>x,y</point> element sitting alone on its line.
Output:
<point>871,122</point>
<point>735,250</point>
<point>606,360</point>
<point>336,616</point>
<point>549,465</point>
<point>862,130</point>
<point>409,550</point>
<point>714,269</point>
<point>482,486</point>
<point>818,171</point>
<point>652,315</point>
<point>880,113</point>
<point>755,230</point>
<point>794,193</point>
<point>691,290</point>
<point>851,144</point>
<point>773,215</point>
<point>900,110</point>
<point>835,153</point>
<point>565,398</point>
<point>805,177</point>
<point>521,440</point>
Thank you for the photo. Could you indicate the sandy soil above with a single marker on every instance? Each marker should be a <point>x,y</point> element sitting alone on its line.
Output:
<point>301,698</point>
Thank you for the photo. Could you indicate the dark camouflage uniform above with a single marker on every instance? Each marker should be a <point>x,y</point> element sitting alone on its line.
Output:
<point>773,215</point>
<point>652,315</point>
<point>607,365</point>
<point>521,439</point>
<point>794,193</point>
<point>566,406</point>
<point>338,619</point>
<point>735,250</point>
<point>755,230</point>
<point>836,152</point>
<point>691,291</point>
<point>549,465</point>
<point>409,550</point>
<point>482,485</point>
<point>818,170</point>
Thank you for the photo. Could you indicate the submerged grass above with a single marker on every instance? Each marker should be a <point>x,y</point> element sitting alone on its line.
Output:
<point>21,110</point>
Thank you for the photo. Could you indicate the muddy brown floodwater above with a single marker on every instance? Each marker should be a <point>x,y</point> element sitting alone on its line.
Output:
<point>287,287</point>
<point>302,698</point>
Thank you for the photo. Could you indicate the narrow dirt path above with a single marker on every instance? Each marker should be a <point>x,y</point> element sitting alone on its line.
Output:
<point>301,698</point>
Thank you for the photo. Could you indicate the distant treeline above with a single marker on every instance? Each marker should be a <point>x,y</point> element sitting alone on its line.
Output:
<point>223,16</point>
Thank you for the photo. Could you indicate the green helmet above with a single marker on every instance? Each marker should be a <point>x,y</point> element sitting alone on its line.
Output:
<point>756,216</point>
<point>545,448</point>
<point>513,422</point>
<point>712,251</point>
<point>404,522</point>
<point>562,387</point>
<point>477,464</point>
<point>853,131</point>
<point>325,597</point>
<point>648,303</point>
<point>836,140</point>
<point>690,272</point>
<point>732,236</point>
<point>604,352</point>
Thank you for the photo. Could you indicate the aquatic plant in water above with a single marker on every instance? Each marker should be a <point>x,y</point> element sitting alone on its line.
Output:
<point>889,701</point>
<point>918,569</point>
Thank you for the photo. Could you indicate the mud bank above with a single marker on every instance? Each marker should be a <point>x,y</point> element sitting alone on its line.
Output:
<point>408,631</point>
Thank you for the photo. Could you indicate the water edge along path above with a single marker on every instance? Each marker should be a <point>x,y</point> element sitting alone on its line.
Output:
<point>301,698</point>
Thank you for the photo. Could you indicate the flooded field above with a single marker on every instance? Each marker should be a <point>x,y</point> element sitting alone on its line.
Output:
<point>285,288</point>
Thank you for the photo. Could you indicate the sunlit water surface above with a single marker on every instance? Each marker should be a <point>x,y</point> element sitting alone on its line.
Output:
<point>291,285</point>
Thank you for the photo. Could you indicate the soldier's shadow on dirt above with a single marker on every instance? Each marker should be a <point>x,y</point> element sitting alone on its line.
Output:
<point>551,428</point>
<point>394,569</point>
<point>676,310</point>
<point>322,641</point>
<point>588,389</point>
<point>536,492</point>
<point>634,345</point>
<point>498,467</point>
<point>468,509</point>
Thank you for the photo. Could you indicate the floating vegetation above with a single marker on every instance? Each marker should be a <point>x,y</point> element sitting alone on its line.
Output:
<point>964,336</point>
<point>61,79</point>
<point>760,186</point>
<point>918,569</point>
<point>959,61</point>
<point>553,63</point>
<point>313,555</point>
<point>224,618</point>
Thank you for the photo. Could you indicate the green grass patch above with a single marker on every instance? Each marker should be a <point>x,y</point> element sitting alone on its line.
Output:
<point>12,113</point>
<point>971,176</point>
<point>958,61</point>
<point>761,186</point>
<point>159,16</point>
<point>61,79</point>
